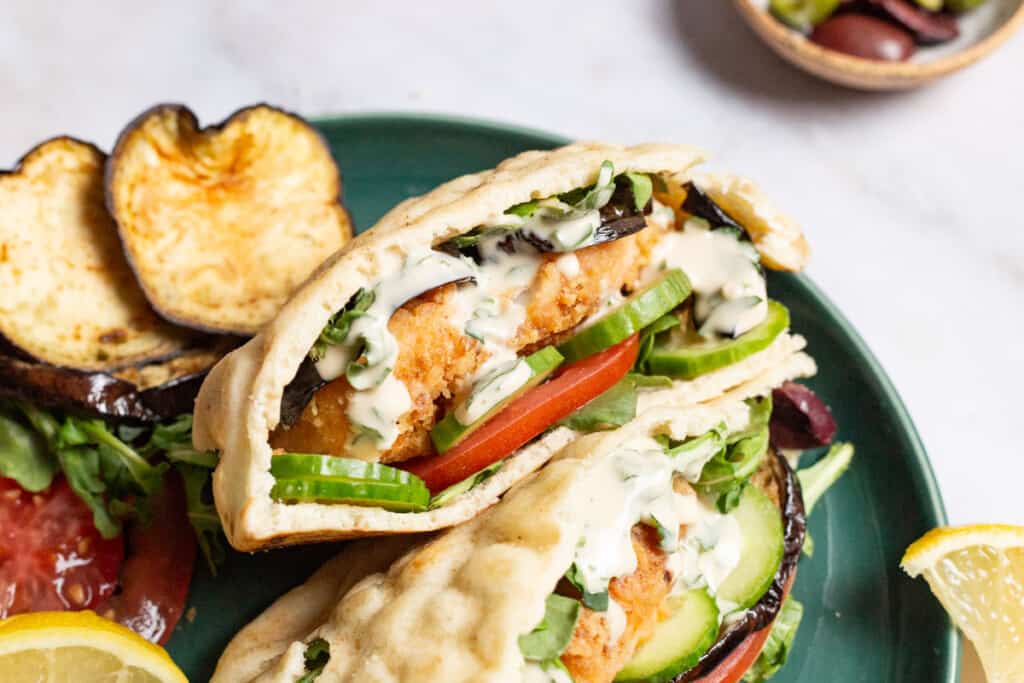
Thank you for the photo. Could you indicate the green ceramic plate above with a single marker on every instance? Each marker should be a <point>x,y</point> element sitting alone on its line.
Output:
<point>864,620</point>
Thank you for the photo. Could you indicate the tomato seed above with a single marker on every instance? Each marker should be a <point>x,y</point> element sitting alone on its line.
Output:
<point>76,594</point>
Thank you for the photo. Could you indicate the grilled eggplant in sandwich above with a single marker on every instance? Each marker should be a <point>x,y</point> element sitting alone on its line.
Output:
<point>455,347</point>
<point>659,551</point>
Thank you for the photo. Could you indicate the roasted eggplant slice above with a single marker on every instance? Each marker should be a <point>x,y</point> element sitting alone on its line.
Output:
<point>150,393</point>
<point>69,297</point>
<point>222,224</point>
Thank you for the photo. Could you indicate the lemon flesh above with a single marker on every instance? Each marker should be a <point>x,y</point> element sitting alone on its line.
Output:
<point>977,573</point>
<point>79,647</point>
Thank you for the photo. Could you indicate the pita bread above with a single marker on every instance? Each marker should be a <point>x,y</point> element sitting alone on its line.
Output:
<point>239,404</point>
<point>468,594</point>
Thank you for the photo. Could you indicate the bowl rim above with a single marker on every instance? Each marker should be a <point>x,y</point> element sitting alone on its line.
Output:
<point>772,29</point>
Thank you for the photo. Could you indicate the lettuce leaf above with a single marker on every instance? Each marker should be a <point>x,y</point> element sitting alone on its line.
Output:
<point>551,636</point>
<point>779,642</point>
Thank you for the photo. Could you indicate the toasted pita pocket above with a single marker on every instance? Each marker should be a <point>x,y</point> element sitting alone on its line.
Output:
<point>240,402</point>
<point>453,608</point>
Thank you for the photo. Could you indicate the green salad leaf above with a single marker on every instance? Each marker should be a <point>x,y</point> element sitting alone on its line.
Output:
<point>817,478</point>
<point>779,643</point>
<point>549,639</point>
<point>455,490</point>
<point>336,330</point>
<point>643,188</point>
<point>25,454</point>
<point>610,410</point>
<point>648,335</point>
<point>317,654</point>
<point>202,515</point>
<point>594,601</point>
<point>174,440</point>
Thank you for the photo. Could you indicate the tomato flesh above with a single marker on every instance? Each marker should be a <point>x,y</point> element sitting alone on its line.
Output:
<point>51,555</point>
<point>157,573</point>
<point>528,416</point>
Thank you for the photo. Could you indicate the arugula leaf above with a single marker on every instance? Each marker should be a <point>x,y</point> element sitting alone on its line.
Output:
<point>318,653</point>
<point>81,466</point>
<point>118,458</point>
<point>25,454</point>
<point>779,643</point>
<point>455,490</point>
<point>552,635</point>
<point>647,337</point>
<point>760,415</point>
<point>643,188</point>
<point>730,497</point>
<point>595,601</point>
<point>816,479</point>
<point>336,329</point>
<point>202,515</point>
<point>612,409</point>
<point>174,440</point>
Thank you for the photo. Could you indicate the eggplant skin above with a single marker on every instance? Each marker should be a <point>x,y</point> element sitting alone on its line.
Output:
<point>763,613</point>
<point>69,296</point>
<point>101,394</point>
<point>221,224</point>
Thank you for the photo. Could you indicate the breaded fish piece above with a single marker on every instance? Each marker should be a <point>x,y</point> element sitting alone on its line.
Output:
<point>435,358</point>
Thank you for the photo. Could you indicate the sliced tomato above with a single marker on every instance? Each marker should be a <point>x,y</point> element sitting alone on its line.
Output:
<point>157,573</point>
<point>51,555</point>
<point>732,668</point>
<point>527,416</point>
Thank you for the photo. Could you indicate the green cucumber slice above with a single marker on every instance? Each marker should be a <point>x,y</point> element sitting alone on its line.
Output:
<point>449,431</point>
<point>762,537</point>
<point>395,497</point>
<point>677,643</point>
<point>689,361</point>
<point>637,312</point>
<point>312,466</point>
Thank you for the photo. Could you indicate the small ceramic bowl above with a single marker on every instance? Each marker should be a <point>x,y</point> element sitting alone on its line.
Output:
<point>981,32</point>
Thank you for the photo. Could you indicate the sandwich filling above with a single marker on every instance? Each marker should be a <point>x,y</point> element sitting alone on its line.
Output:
<point>425,366</point>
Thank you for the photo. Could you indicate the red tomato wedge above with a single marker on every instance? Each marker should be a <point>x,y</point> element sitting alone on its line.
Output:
<point>157,573</point>
<point>528,416</point>
<point>732,668</point>
<point>51,555</point>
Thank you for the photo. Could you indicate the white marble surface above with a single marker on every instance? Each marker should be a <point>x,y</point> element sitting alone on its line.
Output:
<point>912,201</point>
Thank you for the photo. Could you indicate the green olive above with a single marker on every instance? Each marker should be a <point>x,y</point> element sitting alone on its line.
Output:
<point>803,14</point>
<point>930,5</point>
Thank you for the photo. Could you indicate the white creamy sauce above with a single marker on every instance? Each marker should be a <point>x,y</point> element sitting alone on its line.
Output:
<point>730,294</point>
<point>634,484</point>
<point>533,672</point>
<point>568,264</point>
<point>378,399</point>
<point>374,414</point>
<point>615,619</point>
<point>491,390</point>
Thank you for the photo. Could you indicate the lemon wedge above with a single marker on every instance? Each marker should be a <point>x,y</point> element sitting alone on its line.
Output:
<point>52,647</point>
<point>977,573</point>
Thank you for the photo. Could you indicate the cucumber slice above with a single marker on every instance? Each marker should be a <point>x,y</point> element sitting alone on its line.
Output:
<point>412,497</point>
<point>677,643</point>
<point>449,431</point>
<point>692,360</point>
<point>637,312</point>
<point>763,545</point>
<point>311,466</point>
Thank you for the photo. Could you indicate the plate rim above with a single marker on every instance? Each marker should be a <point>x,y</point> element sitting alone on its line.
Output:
<point>886,387</point>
